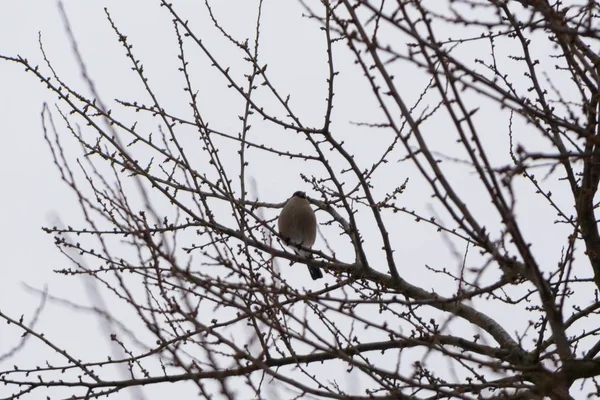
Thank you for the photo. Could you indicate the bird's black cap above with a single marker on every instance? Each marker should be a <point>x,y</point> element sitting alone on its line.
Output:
<point>300,194</point>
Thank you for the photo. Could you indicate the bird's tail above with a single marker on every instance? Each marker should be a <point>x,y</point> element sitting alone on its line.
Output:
<point>315,272</point>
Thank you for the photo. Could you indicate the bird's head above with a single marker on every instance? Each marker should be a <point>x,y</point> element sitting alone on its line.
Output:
<point>300,194</point>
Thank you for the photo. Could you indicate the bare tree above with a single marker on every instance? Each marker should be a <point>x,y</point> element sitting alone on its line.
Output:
<point>485,140</point>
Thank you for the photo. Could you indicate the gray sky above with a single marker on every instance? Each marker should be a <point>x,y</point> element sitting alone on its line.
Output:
<point>37,196</point>
<point>292,47</point>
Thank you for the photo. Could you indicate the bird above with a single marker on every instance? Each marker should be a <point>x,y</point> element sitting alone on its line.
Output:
<point>298,226</point>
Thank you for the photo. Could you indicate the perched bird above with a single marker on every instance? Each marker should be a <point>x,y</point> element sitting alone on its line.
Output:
<point>298,226</point>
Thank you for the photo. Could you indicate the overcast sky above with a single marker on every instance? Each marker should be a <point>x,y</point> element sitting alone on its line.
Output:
<point>33,195</point>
